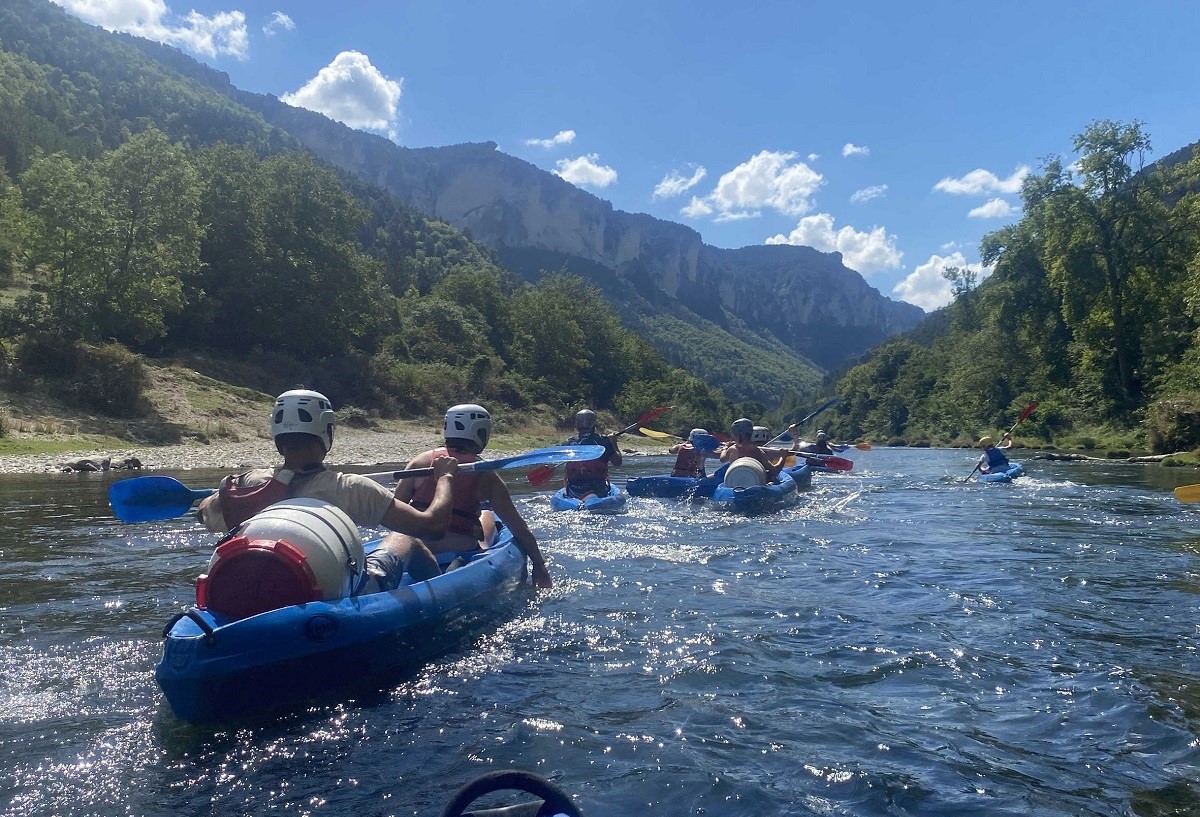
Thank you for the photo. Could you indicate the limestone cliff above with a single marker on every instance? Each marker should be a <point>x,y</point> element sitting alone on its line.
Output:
<point>807,299</point>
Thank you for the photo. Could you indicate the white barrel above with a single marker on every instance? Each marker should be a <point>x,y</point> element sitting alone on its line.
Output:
<point>324,533</point>
<point>745,472</point>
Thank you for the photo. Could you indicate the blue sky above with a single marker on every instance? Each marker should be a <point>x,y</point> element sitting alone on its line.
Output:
<point>896,133</point>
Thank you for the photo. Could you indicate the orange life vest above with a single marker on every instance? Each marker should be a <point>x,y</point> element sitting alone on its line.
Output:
<point>465,518</point>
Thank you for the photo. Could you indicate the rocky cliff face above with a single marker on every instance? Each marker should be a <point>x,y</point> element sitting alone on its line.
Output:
<point>807,299</point>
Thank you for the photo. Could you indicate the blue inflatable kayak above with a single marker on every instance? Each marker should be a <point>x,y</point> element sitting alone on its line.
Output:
<point>1013,470</point>
<point>213,669</point>
<point>611,502</point>
<point>670,487</point>
<point>801,475</point>
<point>756,498</point>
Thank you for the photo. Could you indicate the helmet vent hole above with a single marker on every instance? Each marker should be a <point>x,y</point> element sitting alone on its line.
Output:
<point>304,415</point>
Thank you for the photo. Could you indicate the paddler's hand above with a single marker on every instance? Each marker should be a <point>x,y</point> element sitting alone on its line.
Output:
<point>541,576</point>
<point>444,466</point>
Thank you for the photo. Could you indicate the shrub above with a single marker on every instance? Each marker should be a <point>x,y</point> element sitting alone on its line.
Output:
<point>107,378</point>
<point>1174,424</point>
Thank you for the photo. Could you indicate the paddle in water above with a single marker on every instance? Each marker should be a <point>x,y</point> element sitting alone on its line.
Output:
<point>540,476</point>
<point>146,499</point>
<point>1024,414</point>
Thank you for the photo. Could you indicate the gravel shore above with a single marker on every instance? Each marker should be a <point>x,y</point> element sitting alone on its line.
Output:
<point>352,447</point>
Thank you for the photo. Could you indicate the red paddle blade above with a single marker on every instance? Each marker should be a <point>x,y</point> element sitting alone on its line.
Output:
<point>540,475</point>
<point>1028,410</point>
<point>837,463</point>
<point>653,414</point>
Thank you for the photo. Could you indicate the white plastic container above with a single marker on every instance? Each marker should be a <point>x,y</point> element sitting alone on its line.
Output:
<point>324,533</point>
<point>745,472</point>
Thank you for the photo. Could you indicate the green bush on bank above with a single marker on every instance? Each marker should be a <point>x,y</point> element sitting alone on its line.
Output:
<point>106,378</point>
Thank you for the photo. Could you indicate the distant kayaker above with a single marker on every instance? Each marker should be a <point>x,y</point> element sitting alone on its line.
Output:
<point>993,458</point>
<point>689,460</point>
<point>591,477</point>
<point>466,431</point>
<point>820,446</point>
<point>302,425</point>
<point>743,446</point>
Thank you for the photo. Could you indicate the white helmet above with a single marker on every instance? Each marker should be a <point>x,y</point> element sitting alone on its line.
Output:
<point>468,422</point>
<point>760,435</point>
<point>585,420</point>
<point>697,432</point>
<point>301,411</point>
<point>821,435</point>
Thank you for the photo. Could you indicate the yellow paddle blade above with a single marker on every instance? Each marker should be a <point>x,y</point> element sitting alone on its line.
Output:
<point>1188,493</point>
<point>657,435</point>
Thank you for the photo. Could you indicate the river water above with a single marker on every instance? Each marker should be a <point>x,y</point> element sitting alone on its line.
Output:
<point>894,643</point>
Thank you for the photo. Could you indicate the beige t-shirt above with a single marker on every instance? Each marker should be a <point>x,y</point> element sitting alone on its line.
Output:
<point>364,500</point>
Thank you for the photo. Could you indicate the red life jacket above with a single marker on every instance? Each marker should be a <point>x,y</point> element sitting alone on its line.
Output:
<point>465,515</point>
<point>239,501</point>
<point>689,463</point>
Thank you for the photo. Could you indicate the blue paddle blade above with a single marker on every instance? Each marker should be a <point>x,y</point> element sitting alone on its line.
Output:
<point>705,442</point>
<point>147,499</point>
<point>542,456</point>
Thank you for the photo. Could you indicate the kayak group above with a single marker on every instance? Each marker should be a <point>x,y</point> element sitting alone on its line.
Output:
<point>293,603</point>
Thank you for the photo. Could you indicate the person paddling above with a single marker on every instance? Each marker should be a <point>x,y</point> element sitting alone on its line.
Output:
<point>302,425</point>
<point>993,458</point>
<point>820,446</point>
<point>591,477</point>
<point>466,431</point>
<point>743,445</point>
<point>689,460</point>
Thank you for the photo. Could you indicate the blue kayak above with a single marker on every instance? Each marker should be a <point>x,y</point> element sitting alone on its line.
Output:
<point>611,502</point>
<point>671,487</point>
<point>755,498</point>
<point>1005,475</point>
<point>801,475</point>
<point>214,669</point>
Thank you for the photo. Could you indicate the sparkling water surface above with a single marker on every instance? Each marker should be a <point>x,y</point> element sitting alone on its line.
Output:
<point>896,642</point>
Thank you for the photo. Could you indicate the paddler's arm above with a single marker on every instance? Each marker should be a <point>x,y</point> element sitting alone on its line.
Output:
<point>493,489</point>
<point>615,459</point>
<point>208,513</point>
<point>405,488</point>
<point>433,521</point>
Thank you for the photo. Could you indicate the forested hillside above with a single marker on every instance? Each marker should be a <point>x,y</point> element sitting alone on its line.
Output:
<point>144,214</point>
<point>1092,310</point>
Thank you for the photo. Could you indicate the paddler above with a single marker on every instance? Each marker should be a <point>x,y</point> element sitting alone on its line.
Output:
<point>993,458</point>
<point>466,431</point>
<point>302,424</point>
<point>743,445</point>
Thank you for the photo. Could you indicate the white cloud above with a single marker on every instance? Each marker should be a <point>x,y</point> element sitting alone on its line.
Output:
<point>875,191</point>
<point>353,91</point>
<point>563,137</point>
<point>279,21</point>
<point>768,179</point>
<point>851,149</point>
<point>812,157</point>
<point>993,208</point>
<point>951,245</point>
<point>586,170</point>
<point>864,252</point>
<point>980,182</point>
<point>675,183</point>
<point>222,33</point>
<point>925,285</point>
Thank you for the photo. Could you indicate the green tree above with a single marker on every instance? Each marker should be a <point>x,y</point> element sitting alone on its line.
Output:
<point>1103,230</point>
<point>118,236</point>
